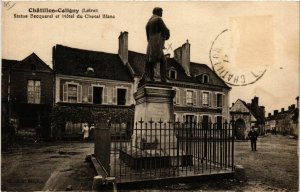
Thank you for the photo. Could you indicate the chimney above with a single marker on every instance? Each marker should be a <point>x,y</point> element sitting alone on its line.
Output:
<point>182,56</point>
<point>282,109</point>
<point>232,104</point>
<point>293,106</point>
<point>269,114</point>
<point>297,98</point>
<point>255,101</point>
<point>275,112</point>
<point>262,110</point>
<point>123,47</point>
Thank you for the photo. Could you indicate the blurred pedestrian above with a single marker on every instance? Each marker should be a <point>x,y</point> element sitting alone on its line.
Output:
<point>92,128</point>
<point>11,133</point>
<point>37,133</point>
<point>253,138</point>
<point>85,131</point>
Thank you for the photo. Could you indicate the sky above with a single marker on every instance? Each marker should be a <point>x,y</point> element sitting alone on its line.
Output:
<point>264,35</point>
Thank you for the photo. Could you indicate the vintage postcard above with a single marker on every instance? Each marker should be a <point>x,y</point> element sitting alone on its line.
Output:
<point>149,95</point>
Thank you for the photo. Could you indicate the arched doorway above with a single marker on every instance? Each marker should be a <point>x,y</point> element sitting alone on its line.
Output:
<point>240,128</point>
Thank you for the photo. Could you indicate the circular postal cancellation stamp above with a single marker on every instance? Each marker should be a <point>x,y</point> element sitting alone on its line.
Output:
<point>239,57</point>
<point>221,58</point>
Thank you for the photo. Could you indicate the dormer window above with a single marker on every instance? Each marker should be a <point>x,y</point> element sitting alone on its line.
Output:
<point>90,69</point>
<point>203,78</point>
<point>172,74</point>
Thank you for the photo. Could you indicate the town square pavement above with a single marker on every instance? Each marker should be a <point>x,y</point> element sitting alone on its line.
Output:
<point>61,165</point>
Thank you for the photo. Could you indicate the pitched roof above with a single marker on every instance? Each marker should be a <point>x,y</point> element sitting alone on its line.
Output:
<point>283,114</point>
<point>248,107</point>
<point>137,62</point>
<point>28,63</point>
<point>254,112</point>
<point>8,63</point>
<point>72,61</point>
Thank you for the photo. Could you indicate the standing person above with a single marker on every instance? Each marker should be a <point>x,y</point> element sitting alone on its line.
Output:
<point>253,138</point>
<point>85,131</point>
<point>157,33</point>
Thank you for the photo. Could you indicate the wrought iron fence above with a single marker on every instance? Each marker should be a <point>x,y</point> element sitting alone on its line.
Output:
<point>166,150</point>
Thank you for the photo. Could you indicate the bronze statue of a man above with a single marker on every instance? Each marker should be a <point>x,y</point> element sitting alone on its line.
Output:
<point>157,33</point>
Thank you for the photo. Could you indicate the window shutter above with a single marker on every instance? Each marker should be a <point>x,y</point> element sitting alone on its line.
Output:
<point>79,93</point>
<point>200,98</point>
<point>65,92</point>
<point>223,100</point>
<point>194,98</point>
<point>183,96</point>
<point>209,118</point>
<point>215,100</point>
<point>105,95</point>
<point>177,96</point>
<point>183,119</point>
<point>114,93</point>
<point>90,94</point>
<point>127,102</point>
<point>209,99</point>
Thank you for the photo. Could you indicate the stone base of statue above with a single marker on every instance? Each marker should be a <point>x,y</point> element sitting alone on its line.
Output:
<point>154,143</point>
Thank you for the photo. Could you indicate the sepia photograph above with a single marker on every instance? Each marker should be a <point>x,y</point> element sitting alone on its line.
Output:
<point>150,96</point>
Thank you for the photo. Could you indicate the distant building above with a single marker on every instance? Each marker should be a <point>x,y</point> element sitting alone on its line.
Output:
<point>27,94</point>
<point>97,81</point>
<point>284,122</point>
<point>247,115</point>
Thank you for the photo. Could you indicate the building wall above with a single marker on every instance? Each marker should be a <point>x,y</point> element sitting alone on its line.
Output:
<point>27,115</point>
<point>18,86</point>
<point>197,109</point>
<point>85,109</point>
<point>240,111</point>
<point>109,95</point>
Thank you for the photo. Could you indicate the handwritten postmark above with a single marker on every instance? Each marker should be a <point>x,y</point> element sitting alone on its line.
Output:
<point>8,5</point>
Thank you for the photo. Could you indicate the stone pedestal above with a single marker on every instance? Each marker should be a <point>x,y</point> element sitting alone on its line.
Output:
<point>154,143</point>
<point>154,104</point>
<point>154,101</point>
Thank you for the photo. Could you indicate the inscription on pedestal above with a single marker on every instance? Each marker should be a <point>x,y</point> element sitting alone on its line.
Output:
<point>158,112</point>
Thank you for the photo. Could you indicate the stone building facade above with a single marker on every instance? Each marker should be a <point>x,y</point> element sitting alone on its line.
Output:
<point>284,121</point>
<point>247,115</point>
<point>27,94</point>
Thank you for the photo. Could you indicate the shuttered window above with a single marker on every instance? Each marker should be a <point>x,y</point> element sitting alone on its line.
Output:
<point>205,99</point>
<point>219,98</point>
<point>189,97</point>
<point>72,93</point>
